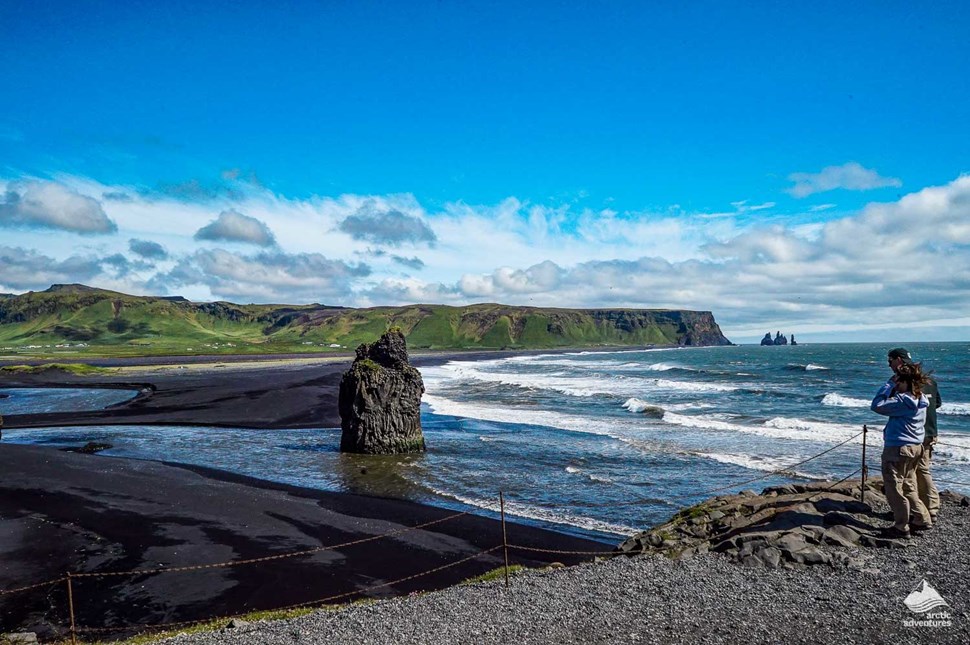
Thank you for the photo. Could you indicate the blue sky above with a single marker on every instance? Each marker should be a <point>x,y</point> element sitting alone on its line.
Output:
<point>362,153</point>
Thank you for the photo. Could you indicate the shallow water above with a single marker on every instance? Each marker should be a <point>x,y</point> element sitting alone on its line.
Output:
<point>59,399</point>
<point>594,443</point>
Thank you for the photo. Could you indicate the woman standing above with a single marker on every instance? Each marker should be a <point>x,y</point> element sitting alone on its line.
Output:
<point>902,400</point>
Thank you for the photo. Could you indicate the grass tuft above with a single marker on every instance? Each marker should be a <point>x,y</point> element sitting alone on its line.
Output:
<point>494,574</point>
<point>79,369</point>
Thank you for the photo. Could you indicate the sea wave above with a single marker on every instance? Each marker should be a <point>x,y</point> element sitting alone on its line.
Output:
<point>640,406</point>
<point>956,409</point>
<point>589,385</point>
<point>572,386</point>
<point>778,427</point>
<point>810,367</point>
<point>529,511</point>
<point>506,414</point>
<point>838,400</point>
<point>758,462</point>
<point>694,386</point>
<point>599,479</point>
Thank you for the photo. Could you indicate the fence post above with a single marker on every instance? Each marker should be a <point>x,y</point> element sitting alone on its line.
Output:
<point>865,469</point>
<point>505,540</point>
<point>70,606</point>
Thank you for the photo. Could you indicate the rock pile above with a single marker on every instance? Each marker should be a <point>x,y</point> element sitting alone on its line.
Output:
<point>787,526</point>
<point>380,400</point>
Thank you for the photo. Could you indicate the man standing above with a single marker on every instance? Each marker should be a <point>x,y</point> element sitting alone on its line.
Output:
<point>924,479</point>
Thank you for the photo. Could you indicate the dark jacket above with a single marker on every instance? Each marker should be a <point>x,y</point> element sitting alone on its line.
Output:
<point>932,393</point>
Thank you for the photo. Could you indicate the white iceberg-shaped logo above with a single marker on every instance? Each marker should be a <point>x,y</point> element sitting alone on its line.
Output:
<point>924,599</point>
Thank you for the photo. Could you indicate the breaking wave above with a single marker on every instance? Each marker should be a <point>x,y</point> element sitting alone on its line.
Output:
<point>840,401</point>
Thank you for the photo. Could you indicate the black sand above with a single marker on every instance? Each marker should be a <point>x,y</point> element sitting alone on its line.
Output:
<point>63,512</point>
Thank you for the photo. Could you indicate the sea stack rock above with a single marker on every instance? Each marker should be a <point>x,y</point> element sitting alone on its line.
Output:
<point>380,400</point>
<point>793,340</point>
<point>767,339</point>
<point>780,339</point>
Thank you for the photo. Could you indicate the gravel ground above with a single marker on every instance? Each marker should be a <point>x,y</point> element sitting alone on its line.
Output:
<point>651,599</point>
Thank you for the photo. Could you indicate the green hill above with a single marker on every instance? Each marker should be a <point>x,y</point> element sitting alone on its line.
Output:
<point>69,319</point>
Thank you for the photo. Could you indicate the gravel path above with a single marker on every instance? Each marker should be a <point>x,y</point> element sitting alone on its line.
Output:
<point>651,599</point>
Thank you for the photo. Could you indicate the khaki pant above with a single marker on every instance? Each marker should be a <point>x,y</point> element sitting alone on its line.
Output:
<point>928,494</point>
<point>899,483</point>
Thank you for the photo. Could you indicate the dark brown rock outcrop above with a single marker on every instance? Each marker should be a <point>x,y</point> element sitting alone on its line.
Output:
<point>380,400</point>
<point>790,526</point>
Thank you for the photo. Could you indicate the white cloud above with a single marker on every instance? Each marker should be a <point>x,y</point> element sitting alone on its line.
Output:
<point>848,176</point>
<point>232,226</point>
<point>265,277</point>
<point>26,269</point>
<point>50,205</point>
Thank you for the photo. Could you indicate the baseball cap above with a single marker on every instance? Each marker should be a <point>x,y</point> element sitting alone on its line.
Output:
<point>901,352</point>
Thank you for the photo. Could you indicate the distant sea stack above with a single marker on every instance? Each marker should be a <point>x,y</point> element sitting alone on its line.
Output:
<point>380,400</point>
<point>779,339</point>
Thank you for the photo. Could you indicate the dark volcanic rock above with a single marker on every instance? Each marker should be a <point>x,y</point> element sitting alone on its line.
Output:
<point>780,339</point>
<point>767,339</point>
<point>380,400</point>
<point>788,526</point>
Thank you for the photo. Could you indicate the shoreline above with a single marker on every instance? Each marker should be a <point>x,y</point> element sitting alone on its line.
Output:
<point>261,392</point>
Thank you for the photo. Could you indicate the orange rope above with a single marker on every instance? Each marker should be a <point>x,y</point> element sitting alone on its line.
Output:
<point>187,623</point>
<point>267,558</point>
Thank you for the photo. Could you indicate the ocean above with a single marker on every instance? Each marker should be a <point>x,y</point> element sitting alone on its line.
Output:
<point>594,443</point>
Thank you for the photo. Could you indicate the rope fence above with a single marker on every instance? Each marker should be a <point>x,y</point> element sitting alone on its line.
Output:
<point>68,579</point>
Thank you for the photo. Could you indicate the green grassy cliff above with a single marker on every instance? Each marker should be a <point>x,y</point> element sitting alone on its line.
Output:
<point>77,319</point>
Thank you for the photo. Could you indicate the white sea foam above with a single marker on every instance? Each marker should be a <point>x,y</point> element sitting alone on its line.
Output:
<point>636,405</point>
<point>811,367</point>
<point>581,386</point>
<point>521,509</point>
<point>507,414</point>
<point>572,470</point>
<point>757,462</point>
<point>962,409</point>
<point>837,400</point>
<point>689,405</point>
<point>694,386</point>
<point>661,367</point>
<point>778,427</point>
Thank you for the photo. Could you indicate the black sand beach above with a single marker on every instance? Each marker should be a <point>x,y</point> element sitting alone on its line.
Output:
<point>243,391</point>
<point>62,512</point>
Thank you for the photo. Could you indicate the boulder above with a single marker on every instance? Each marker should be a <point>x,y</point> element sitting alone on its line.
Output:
<point>380,400</point>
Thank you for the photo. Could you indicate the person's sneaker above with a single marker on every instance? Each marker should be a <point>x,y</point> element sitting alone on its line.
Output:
<point>893,533</point>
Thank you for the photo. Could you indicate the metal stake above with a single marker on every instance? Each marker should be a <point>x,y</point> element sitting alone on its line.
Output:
<point>865,469</point>
<point>70,606</point>
<point>505,540</point>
